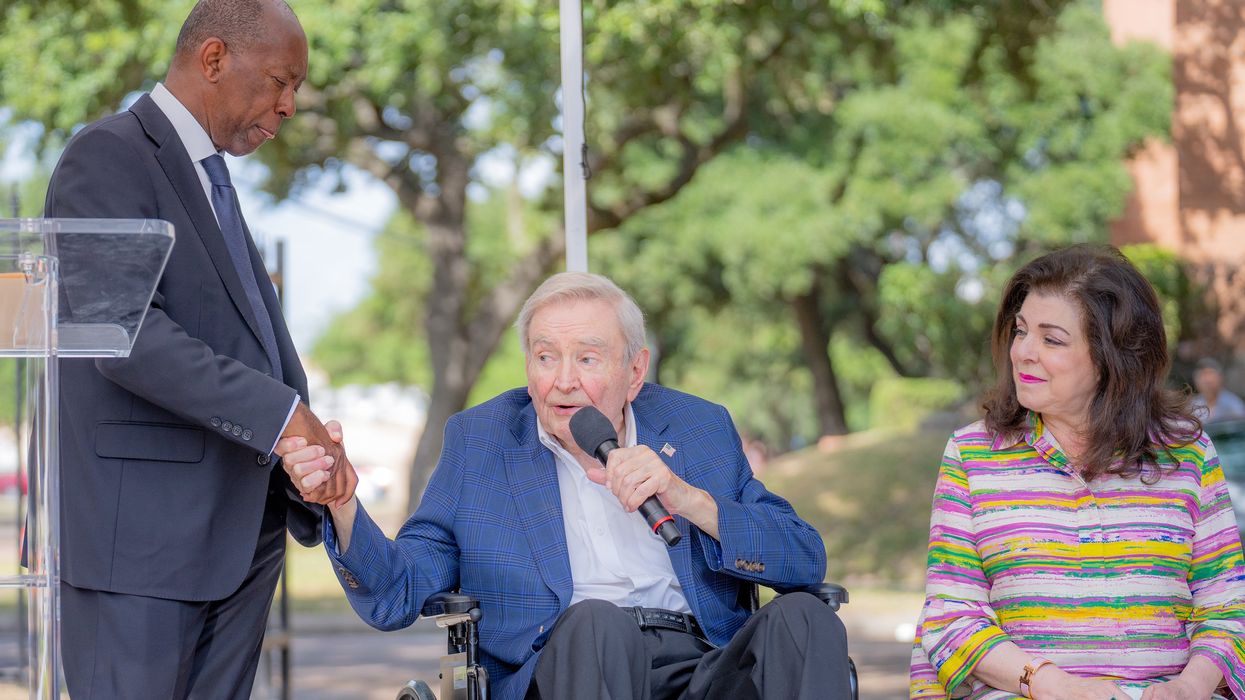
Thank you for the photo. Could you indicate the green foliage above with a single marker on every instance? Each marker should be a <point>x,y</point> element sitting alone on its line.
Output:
<point>942,320</point>
<point>902,403</point>
<point>905,204</point>
<point>1182,299</point>
<point>8,391</point>
<point>887,159</point>
<point>377,341</point>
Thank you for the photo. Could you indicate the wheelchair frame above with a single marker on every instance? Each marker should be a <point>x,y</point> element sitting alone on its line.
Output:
<point>463,677</point>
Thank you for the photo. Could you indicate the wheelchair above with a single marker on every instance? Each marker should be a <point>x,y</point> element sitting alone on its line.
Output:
<point>463,677</point>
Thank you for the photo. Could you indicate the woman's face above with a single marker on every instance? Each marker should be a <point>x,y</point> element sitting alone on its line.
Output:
<point>1051,363</point>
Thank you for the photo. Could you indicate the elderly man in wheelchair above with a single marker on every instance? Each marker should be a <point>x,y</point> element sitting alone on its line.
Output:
<point>591,565</point>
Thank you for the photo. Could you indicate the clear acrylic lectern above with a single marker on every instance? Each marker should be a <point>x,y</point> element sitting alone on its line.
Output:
<point>68,288</point>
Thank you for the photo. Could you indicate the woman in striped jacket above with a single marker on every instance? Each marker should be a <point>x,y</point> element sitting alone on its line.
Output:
<point>1082,543</point>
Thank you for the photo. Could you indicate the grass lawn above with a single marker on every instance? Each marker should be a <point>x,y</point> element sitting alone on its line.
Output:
<point>869,495</point>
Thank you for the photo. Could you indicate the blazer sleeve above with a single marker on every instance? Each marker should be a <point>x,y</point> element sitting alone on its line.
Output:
<point>101,175</point>
<point>761,537</point>
<point>387,581</point>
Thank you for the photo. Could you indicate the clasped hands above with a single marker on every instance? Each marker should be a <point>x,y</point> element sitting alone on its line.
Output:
<point>313,456</point>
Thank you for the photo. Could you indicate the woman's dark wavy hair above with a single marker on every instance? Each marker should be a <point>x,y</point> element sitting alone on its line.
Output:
<point>1133,415</point>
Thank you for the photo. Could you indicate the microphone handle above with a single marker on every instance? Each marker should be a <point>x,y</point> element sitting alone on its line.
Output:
<point>661,521</point>
<point>655,514</point>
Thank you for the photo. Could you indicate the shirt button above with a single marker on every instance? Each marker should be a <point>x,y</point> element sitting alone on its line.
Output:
<point>600,532</point>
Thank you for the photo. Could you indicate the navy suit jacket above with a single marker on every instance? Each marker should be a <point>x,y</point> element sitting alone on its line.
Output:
<point>490,524</point>
<point>164,454</point>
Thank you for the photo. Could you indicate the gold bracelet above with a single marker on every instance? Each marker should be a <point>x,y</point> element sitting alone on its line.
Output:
<point>1026,676</point>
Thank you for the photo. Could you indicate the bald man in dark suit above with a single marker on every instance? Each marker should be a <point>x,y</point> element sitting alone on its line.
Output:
<point>173,515</point>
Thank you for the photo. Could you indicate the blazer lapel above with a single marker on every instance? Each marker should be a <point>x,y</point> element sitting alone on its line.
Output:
<point>534,485</point>
<point>172,156</point>
<point>651,430</point>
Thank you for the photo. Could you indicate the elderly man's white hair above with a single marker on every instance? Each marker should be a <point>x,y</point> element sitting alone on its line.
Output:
<point>585,286</point>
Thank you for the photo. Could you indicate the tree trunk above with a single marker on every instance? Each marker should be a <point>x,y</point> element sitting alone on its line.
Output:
<point>449,396</point>
<point>815,341</point>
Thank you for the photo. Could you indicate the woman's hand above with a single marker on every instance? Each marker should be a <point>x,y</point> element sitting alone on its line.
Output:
<point>1175,689</point>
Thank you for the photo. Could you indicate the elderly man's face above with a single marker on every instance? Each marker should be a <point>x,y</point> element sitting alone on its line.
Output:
<point>575,358</point>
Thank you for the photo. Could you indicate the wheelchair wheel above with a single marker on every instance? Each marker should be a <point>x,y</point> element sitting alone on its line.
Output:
<point>416,690</point>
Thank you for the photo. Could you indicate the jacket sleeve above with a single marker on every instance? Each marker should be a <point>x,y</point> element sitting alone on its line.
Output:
<point>957,627</point>
<point>387,581</point>
<point>102,176</point>
<point>761,537</point>
<point>1217,579</point>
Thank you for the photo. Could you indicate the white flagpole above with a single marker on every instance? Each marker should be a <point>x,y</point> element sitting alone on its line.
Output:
<point>574,187</point>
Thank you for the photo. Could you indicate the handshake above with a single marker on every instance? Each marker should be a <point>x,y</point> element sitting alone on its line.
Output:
<point>313,456</point>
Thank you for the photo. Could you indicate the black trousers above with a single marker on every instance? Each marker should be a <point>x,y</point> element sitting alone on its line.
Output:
<point>793,648</point>
<point>130,647</point>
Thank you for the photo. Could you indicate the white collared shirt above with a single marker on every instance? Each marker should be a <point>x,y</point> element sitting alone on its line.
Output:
<point>192,134</point>
<point>614,554</point>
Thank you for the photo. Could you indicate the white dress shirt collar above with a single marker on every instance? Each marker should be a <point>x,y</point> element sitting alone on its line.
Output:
<point>192,134</point>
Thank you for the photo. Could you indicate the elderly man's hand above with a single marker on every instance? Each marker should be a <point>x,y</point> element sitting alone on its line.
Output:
<point>320,469</point>
<point>633,474</point>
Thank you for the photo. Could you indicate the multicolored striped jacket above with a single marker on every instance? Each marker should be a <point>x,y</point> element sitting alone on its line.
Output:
<point>1115,578</point>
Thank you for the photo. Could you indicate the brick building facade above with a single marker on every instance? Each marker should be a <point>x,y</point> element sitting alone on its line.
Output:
<point>1190,193</point>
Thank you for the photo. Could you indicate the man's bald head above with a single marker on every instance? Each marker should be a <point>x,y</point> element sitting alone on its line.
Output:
<point>237,67</point>
<point>238,23</point>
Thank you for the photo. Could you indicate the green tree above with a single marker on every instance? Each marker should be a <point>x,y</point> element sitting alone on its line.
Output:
<point>955,155</point>
<point>417,92</point>
<point>898,107</point>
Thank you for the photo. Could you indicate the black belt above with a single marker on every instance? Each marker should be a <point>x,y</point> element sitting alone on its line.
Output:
<point>667,620</point>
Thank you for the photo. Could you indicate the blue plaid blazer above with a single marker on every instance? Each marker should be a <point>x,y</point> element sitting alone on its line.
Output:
<point>490,524</point>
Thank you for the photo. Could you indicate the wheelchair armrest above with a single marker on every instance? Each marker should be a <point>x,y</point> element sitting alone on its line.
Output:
<point>831,594</point>
<point>448,603</point>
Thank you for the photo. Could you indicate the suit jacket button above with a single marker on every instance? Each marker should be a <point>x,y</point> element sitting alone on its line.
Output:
<point>739,563</point>
<point>237,431</point>
<point>263,460</point>
<point>215,422</point>
<point>247,434</point>
<point>226,426</point>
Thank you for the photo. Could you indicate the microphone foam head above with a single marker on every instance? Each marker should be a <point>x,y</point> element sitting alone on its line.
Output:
<point>591,429</point>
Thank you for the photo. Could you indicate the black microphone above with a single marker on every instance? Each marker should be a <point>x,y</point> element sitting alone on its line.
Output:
<point>595,435</point>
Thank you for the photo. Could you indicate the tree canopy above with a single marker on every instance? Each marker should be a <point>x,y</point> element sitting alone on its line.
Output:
<point>804,195</point>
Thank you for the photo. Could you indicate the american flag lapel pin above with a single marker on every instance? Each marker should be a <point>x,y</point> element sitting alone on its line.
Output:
<point>667,449</point>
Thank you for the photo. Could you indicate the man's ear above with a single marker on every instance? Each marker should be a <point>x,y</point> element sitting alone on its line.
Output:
<point>637,372</point>
<point>211,58</point>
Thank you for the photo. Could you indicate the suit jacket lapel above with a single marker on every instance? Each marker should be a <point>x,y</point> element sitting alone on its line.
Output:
<point>172,156</point>
<point>534,485</point>
<point>651,430</point>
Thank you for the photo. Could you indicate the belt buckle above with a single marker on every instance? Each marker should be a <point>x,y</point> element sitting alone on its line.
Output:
<point>638,613</point>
